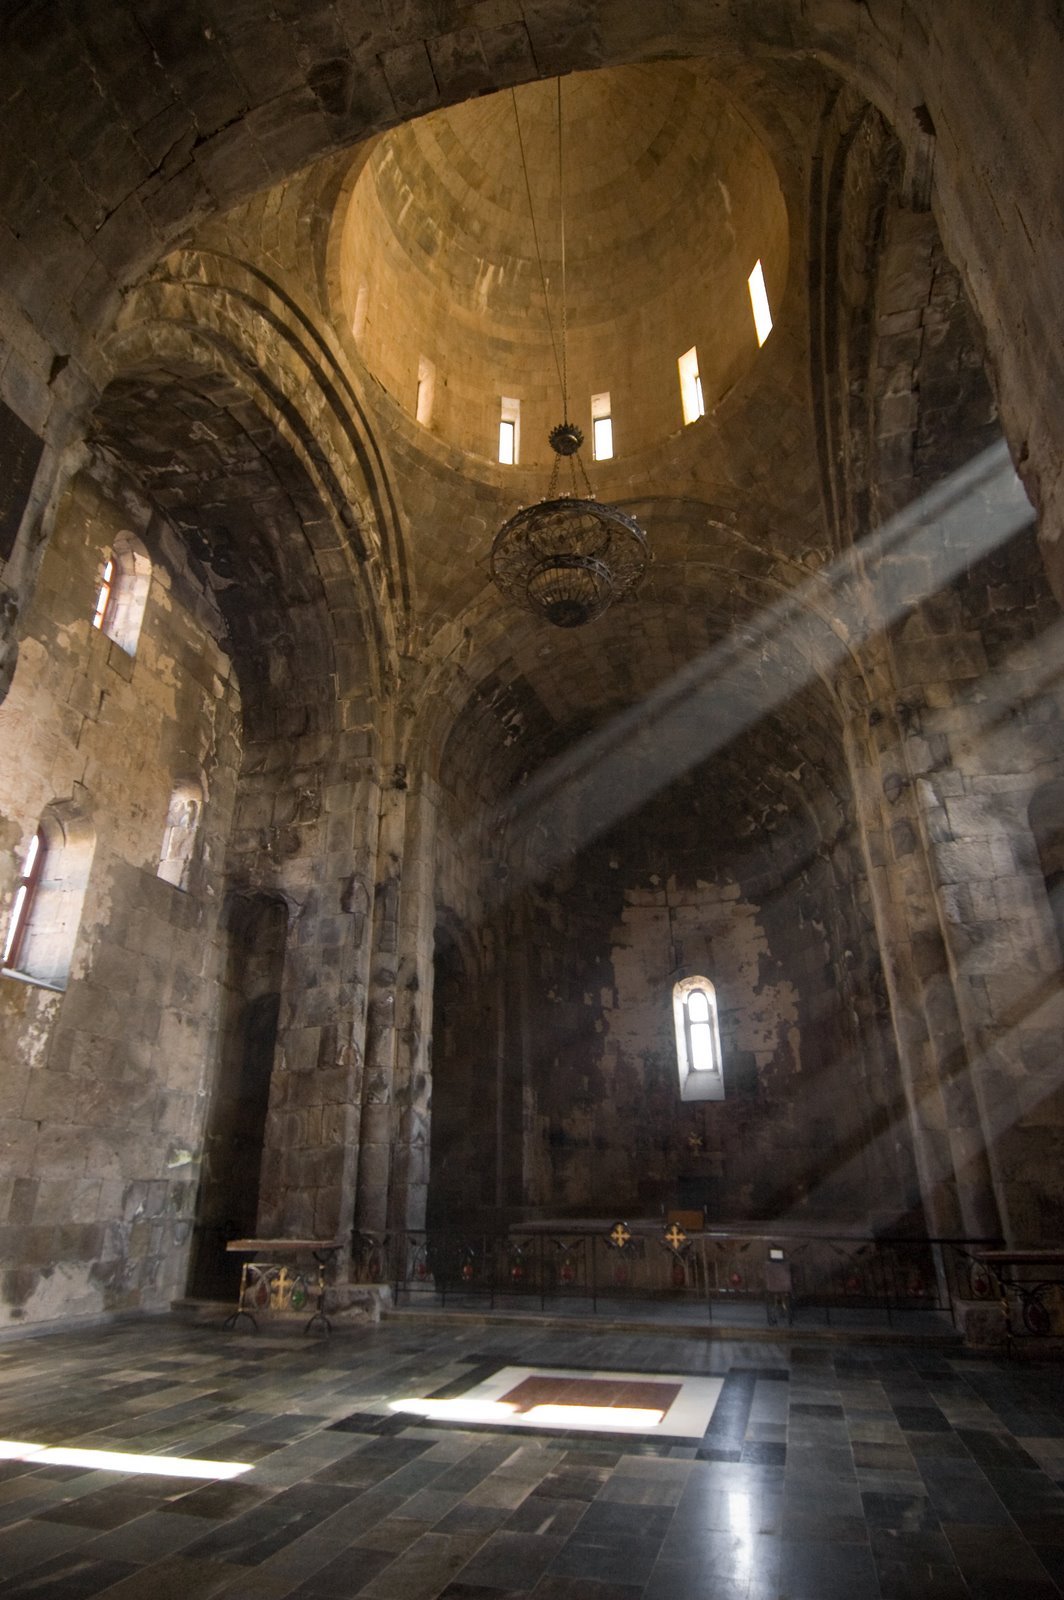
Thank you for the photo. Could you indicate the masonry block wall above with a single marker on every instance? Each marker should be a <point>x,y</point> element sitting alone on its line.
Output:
<point>105,1085</point>
<point>693,884</point>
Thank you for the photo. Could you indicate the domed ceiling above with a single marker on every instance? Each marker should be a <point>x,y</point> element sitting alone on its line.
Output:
<point>670,199</point>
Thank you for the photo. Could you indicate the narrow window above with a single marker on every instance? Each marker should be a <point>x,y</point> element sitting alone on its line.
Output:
<point>601,427</point>
<point>426,391</point>
<point>125,579</point>
<point>24,895</point>
<point>698,1058</point>
<point>51,889</point>
<point>179,837</point>
<point>759,303</point>
<point>358,321</point>
<point>700,1051</point>
<point>103,598</point>
<point>509,432</point>
<point>691,386</point>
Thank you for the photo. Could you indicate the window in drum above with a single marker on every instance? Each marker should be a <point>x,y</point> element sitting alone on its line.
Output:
<point>509,432</point>
<point>601,427</point>
<point>759,303</point>
<point>694,405</point>
<point>426,391</point>
<point>358,321</point>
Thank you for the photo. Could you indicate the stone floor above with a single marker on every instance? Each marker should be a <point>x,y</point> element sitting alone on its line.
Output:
<point>840,1472</point>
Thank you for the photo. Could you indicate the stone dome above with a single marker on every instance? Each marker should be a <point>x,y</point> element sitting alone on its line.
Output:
<point>670,199</point>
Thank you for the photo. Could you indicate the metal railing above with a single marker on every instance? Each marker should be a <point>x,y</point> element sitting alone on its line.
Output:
<point>779,1277</point>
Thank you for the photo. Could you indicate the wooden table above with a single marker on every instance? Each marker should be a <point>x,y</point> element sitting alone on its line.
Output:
<point>267,1284</point>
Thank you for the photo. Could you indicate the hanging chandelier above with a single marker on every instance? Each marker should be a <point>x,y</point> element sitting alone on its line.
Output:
<point>569,556</point>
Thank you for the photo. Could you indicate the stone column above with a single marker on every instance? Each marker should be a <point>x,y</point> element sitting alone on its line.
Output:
<point>319,860</point>
<point>375,1153</point>
<point>413,1081</point>
<point>976,749</point>
<point>956,1179</point>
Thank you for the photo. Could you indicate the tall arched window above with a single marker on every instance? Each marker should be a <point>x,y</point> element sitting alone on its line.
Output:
<point>51,891</point>
<point>698,1059</point>
<point>182,823</point>
<point>25,894</point>
<point>122,592</point>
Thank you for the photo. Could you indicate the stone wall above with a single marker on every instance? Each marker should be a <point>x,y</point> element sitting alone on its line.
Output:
<point>105,1085</point>
<point>770,905</point>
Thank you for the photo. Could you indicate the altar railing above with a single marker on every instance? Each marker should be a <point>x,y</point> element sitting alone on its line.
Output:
<point>779,1277</point>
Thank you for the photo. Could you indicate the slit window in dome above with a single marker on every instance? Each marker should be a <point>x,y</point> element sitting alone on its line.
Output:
<point>691,386</point>
<point>426,390</point>
<point>509,431</point>
<point>759,303</point>
<point>358,321</point>
<point>601,427</point>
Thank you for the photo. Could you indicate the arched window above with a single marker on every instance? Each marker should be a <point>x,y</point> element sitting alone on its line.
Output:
<point>698,1060</point>
<point>182,822</point>
<point>25,893</point>
<point>51,891</point>
<point>122,593</point>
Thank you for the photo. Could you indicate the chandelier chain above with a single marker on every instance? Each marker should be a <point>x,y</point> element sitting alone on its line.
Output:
<point>539,252</point>
<point>569,557</point>
<point>565,297</point>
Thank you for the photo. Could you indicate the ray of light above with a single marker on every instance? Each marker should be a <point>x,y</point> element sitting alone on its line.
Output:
<point>708,703</point>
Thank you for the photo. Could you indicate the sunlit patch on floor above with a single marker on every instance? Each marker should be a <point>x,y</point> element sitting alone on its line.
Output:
<point>119,1461</point>
<point>669,1405</point>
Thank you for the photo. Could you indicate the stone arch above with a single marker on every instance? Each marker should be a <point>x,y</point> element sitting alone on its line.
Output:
<point>260,324</point>
<point>171,372</point>
<point>917,67</point>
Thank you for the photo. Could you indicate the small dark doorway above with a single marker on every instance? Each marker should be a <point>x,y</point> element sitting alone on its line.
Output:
<point>463,1156</point>
<point>1046,818</point>
<point>236,1124</point>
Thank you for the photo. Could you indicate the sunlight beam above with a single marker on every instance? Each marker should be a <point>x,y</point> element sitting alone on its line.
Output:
<point>708,703</point>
